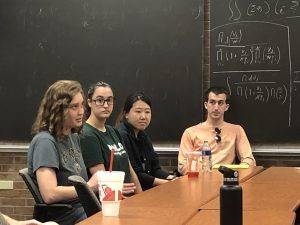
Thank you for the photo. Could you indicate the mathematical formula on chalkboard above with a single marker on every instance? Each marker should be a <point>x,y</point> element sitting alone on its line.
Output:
<point>264,9</point>
<point>254,45</point>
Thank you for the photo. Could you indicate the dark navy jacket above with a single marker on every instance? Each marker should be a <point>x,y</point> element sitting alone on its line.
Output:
<point>143,158</point>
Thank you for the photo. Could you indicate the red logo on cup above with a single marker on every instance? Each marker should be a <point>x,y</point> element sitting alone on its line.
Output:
<point>110,194</point>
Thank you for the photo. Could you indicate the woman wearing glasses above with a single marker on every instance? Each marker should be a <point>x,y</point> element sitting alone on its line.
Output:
<point>136,118</point>
<point>99,141</point>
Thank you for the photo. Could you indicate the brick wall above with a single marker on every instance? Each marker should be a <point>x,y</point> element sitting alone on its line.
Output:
<point>16,202</point>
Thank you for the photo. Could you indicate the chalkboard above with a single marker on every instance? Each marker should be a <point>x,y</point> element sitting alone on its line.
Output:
<point>135,45</point>
<point>254,53</point>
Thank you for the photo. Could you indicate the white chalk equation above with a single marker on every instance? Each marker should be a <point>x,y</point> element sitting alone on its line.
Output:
<point>253,58</point>
<point>263,9</point>
<point>229,50</point>
<point>237,45</point>
<point>251,87</point>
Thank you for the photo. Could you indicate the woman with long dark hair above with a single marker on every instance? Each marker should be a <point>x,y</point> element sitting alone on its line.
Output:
<point>136,118</point>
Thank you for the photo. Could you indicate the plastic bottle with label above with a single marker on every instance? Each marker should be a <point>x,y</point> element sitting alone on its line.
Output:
<point>206,157</point>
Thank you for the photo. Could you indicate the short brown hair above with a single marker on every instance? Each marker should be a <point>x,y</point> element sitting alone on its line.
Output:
<point>216,90</point>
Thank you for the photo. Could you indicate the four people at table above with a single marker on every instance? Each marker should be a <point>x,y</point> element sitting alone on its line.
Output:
<point>227,141</point>
<point>57,151</point>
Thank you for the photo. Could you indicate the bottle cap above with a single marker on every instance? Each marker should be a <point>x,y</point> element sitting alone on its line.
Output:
<point>230,176</point>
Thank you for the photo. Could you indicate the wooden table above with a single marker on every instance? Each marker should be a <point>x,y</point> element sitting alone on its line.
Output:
<point>277,175</point>
<point>276,188</point>
<point>186,192</point>
<point>175,202</point>
<point>274,192</point>
<point>265,196</point>
<point>145,216</point>
<point>254,217</point>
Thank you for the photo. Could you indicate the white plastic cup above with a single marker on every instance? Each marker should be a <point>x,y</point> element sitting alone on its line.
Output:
<point>110,191</point>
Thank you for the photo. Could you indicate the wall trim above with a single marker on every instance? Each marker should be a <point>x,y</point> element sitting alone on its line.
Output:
<point>174,149</point>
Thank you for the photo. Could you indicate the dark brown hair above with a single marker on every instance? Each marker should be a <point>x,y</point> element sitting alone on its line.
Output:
<point>216,90</point>
<point>131,99</point>
<point>90,93</point>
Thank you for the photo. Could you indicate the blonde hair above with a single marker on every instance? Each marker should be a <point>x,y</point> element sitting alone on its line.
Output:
<point>53,107</point>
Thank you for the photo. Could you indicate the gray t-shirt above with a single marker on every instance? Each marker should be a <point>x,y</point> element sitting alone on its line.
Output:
<point>63,155</point>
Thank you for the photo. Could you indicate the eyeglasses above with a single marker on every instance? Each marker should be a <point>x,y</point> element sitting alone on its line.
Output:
<point>101,101</point>
<point>218,137</point>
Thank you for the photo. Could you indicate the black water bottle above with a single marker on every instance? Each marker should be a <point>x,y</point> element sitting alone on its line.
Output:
<point>231,198</point>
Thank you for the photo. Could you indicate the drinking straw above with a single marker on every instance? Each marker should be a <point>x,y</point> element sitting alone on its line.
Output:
<point>111,159</point>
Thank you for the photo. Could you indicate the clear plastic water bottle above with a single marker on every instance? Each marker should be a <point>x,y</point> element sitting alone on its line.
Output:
<point>206,157</point>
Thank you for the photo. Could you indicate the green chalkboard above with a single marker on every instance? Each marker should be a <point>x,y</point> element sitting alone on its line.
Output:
<point>135,45</point>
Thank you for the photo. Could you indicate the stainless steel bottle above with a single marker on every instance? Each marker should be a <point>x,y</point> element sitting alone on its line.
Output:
<point>231,198</point>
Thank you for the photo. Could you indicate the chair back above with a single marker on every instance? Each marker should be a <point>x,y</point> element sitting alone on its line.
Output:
<point>32,186</point>
<point>41,210</point>
<point>87,197</point>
